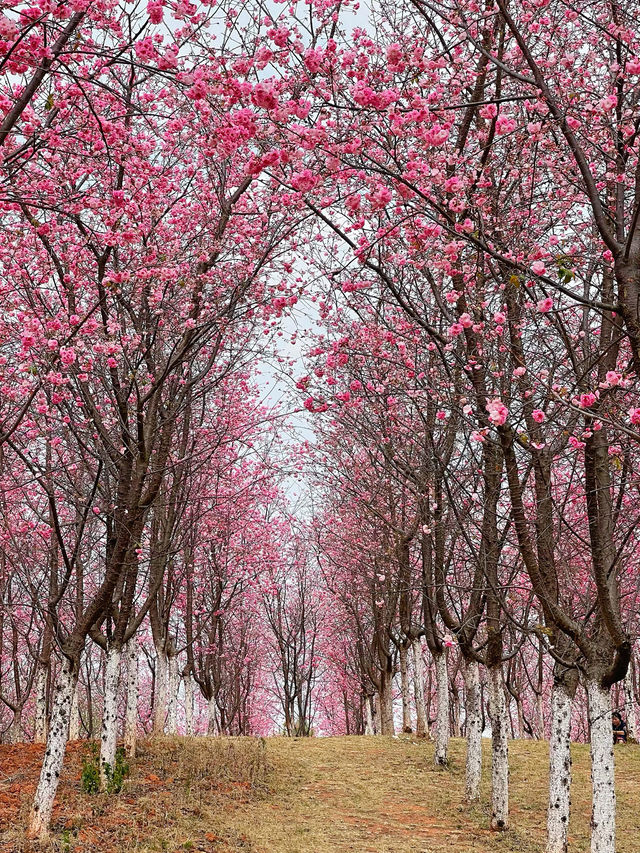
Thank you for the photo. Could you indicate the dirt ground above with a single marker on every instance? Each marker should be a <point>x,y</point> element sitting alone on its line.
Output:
<point>323,795</point>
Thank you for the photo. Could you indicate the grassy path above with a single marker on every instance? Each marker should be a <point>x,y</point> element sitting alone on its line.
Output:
<point>331,795</point>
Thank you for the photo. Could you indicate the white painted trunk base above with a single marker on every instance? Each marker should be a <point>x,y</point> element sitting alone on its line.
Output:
<point>630,704</point>
<point>131,714</point>
<point>603,812</point>
<point>442,716</point>
<point>212,727</point>
<point>473,726</point>
<point>559,771</point>
<point>160,702</point>
<point>387,725</point>
<point>404,689</point>
<point>109,735</point>
<point>499,751</point>
<point>54,754</point>
<point>74,721</point>
<point>40,724</point>
<point>369,728</point>
<point>172,700</point>
<point>188,704</point>
<point>418,689</point>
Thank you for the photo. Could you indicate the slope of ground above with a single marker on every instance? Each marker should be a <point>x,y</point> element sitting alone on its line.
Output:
<point>333,795</point>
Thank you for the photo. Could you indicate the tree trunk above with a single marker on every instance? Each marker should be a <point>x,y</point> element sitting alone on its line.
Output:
<point>540,716</point>
<point>160,707</point>
<point>369,727</point>
<point>442,717</point>
<point>473,726</point>
<point>74,716</point>
<point>172,703</point>
<point>109,735</point>
<point>54,755</point>
<point>211,708</point>
<point>404,687</point>
<point>385,705</point>
<point>559,771</point>
<point>418,688</point>
<point>15,729</point>
<point>131,714</point>
<point>499,751</point>
<point>40,724</point>
<point>603,813</point>
<point>188,703</point>
<point>630,704</point>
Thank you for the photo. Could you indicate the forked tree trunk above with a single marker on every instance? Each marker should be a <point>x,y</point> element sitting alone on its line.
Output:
<point>54,754</point>
<point>109,734</point>
<point>40,723</point>
<point>404,687</point>
<point>630,704</point>
<point>603,812</point>
<point>418,688</point>
<point>74,717</point>
<point>188,703</point>
<point>559,771</point>
<point>172,703</point>
<point>442,716</point>
<point>131,714</point>
<point>473,726</point>
<point>160,706</point>
<point>499,751</point>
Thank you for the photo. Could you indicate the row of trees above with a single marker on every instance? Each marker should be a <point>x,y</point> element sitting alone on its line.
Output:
<point>458,185</point>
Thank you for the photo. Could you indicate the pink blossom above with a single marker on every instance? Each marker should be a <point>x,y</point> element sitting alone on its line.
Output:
<point>303,181</point>
<point>538,268</point>
<point>545,305</point>
<point>155,10</point>
<point>538,415</point>
<point>498,412</point>
<point>67,355</point>
<point>634,416</point>
<point>263,96</point>
<point>499,318</point>
<point>587,400</point>
<point>613,378</point>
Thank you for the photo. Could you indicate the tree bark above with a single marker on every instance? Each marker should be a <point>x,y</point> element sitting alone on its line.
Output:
<point>131,714</point>
<point>559,771</point>
<point>418,688</point>
<point>211,708</point>
<point>109,735</point>
<point>630,704</point>
<point>603,812</point>
<point>442,715</point>
<point>40,724</point>
<point>188,703</point>
<point>385,705</point>
<point>499,751</point>
<point>74,717</point>
<point>160,707</point>
<point>54,755</point>
<point>369,727</point>
<point>473,726</point>
<point>172,703</point>
<point>404,687</point>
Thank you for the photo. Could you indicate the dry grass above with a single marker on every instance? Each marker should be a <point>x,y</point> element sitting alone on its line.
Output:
<point>333,795</point>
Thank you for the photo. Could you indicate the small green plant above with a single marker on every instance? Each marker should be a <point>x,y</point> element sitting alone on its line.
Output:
<point>90,779</point>
<point>116,774</point>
